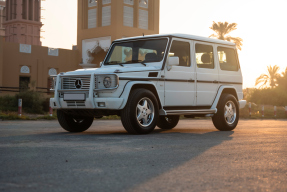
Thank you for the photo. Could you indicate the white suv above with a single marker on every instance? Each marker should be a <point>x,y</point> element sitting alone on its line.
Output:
<point>150,81</point>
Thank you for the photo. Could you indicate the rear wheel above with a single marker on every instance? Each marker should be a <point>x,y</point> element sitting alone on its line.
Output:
<point>140,113</point>
<point>168,122</point>
<point>74,123</point>
<point>227,115</point>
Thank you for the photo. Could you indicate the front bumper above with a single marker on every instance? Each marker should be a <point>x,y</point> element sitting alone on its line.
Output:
<point>95,103</point>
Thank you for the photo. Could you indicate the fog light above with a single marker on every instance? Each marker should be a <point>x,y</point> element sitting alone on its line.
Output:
<point>101,104</point>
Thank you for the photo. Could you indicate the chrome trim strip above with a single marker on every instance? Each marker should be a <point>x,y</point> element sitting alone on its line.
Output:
<point>190,112</point>
<point>73,90</point>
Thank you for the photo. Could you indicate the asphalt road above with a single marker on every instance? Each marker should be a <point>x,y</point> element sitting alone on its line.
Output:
<point>40,156</point>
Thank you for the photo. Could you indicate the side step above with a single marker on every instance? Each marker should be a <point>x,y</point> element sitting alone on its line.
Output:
<point>187,112</point>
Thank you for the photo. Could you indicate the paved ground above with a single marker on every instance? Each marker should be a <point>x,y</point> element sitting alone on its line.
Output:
<point>40,156</point>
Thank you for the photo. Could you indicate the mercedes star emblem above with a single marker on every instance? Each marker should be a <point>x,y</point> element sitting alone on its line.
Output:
<point>78,83</point>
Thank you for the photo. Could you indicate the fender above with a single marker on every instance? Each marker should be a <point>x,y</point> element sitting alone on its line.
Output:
<point>128,88</point>
<point>219,92</point>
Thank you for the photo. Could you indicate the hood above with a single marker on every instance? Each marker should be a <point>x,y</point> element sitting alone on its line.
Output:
<point>113,69</point>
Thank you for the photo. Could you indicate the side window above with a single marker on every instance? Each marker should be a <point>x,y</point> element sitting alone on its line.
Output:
<point>181,49</point>
<point>227,59</point>
<point>204,56</point>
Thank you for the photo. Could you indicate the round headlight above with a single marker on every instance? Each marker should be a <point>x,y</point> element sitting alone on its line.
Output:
<point>107,82</point>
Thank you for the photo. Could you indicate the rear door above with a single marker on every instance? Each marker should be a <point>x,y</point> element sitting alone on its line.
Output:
<point>207,74</point>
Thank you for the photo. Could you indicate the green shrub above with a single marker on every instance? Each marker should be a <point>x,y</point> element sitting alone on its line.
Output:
<point>32,101</point>
<point>8,103</point>
<point>268,96</point>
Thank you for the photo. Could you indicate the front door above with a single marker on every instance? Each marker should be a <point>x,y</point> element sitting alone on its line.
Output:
<point>179,80</point>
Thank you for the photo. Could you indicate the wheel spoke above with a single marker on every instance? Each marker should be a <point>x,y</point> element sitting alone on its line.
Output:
<point>140,117</point>
<point>225,114</point>
<point>140,107</point>
<point>226,107</point>
<point>145,119</point>
<point>148,111</point>
<point>231,112</point>
<point>228,119</point>
<point>145,104</point>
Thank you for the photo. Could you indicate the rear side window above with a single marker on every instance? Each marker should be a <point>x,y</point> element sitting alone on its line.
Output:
<point>204,56</point>
<point>227,59</point>
<point>181,49</point>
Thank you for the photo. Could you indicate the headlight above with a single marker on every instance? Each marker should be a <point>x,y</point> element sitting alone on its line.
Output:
<point>107,82</point>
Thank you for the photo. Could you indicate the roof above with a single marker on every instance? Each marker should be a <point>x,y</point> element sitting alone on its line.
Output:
<point>185,36</point>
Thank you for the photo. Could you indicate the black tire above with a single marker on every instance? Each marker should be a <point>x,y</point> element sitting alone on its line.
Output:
<point>147,114</point>
<point>167,122</point>
<point>74,124</point>
<point>226,122</point>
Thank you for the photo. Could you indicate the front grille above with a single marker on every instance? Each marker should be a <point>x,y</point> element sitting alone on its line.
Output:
<point>73,82</point>
<point>76,103</point>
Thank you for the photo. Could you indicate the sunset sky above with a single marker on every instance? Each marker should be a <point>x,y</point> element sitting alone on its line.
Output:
<point>261,25</point>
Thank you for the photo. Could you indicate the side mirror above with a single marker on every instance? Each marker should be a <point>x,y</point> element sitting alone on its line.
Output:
<point>101,63</point>
<point>172,61</point>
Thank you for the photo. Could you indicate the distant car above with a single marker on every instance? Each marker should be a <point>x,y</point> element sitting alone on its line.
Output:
<point>150,81</point>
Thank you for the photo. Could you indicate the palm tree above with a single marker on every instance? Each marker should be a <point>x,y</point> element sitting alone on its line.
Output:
<point>282,80</point>
<point>222,29</point>
<point>270,78</point>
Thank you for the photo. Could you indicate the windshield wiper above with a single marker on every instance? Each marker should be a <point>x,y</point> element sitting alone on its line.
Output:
<point>114,62</point>
<point>136,61</point>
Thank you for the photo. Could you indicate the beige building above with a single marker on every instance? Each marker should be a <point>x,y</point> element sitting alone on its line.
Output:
<point>22,22</point>
<point>102,21</point>
<point>23,61</point>
<point>2,17</point>
<point>23,65</point>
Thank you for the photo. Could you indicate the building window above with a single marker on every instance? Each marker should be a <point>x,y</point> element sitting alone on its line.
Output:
<point>52,71</point>
<point>92,18</point>
<point>92,3</point>
<point>25,69</point>
<point>24,9</point>
<point>143,19</point>
<point>106,16</point>
<point>129,2</point>
<point>53,52</point>
<point>24,83</point>
<point>128,16</point>
<point>143,14</point>
<point>143,3</point>
<point>106,2</point>
<point>36,11</point>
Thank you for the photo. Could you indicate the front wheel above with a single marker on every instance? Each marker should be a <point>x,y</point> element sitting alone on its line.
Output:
<point>140,113</point>
<point>74,123</point>
<point>168,122</point>
<point>227,115</point>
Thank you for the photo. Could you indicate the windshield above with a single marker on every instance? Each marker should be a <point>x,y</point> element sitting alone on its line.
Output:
<point>141,51</point>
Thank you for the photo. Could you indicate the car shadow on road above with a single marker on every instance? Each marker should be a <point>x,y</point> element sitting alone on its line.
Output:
<point>118,157</point>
